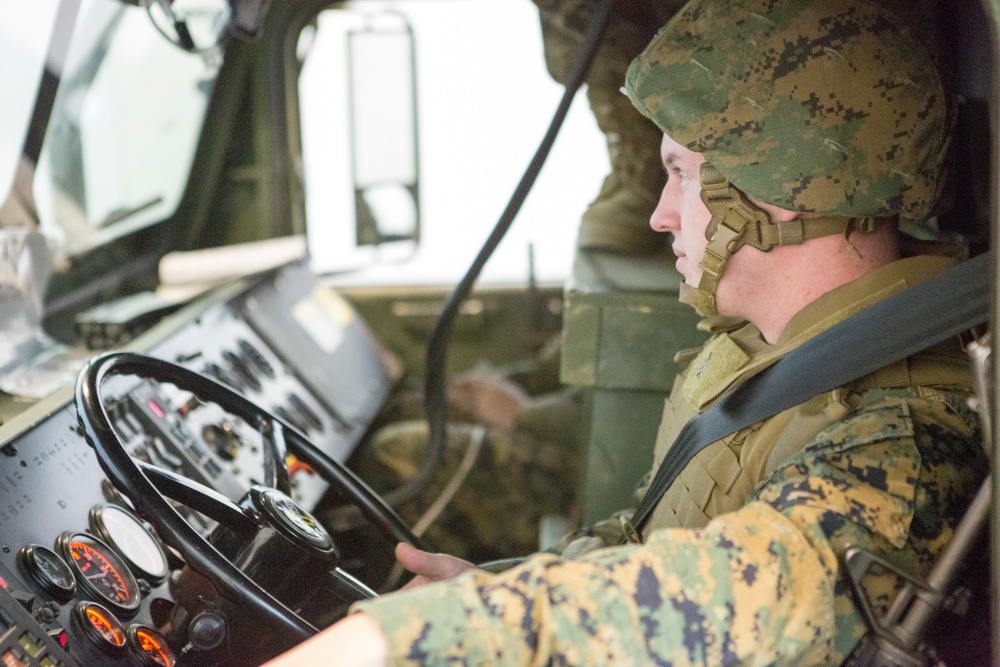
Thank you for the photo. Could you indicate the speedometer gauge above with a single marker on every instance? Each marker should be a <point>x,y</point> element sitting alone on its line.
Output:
<point>100,573</point>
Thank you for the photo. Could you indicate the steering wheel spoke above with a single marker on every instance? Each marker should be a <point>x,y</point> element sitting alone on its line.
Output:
<point>276,475</point>
<point>349,588</point>
<point>200,498</point>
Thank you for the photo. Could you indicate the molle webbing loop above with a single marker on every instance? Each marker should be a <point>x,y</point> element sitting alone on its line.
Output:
<point>732,209</point>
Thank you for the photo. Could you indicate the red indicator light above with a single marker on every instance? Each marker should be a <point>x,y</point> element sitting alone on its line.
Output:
<point>3,582</point>
<point>155,407</point>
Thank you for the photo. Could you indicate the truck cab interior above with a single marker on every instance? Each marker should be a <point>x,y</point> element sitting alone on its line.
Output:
<point>238,244</point>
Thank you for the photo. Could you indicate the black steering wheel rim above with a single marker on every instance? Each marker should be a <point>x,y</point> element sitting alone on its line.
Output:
<point>128,476</point>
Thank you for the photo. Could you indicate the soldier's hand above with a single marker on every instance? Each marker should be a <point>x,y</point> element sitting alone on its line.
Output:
<point>488,397</point>
<point>429,567</point>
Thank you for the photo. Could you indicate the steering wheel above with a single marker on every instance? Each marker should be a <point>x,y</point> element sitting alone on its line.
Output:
<point>267,521</point>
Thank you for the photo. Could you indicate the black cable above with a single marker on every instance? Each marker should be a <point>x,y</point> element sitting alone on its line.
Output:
<point>184,40</point>
<point>435,404</point>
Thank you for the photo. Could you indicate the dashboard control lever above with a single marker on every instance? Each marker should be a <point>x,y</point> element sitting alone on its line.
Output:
<point>164,454</point>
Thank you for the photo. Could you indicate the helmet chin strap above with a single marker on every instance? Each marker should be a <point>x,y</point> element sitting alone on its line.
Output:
<point>737,221</point>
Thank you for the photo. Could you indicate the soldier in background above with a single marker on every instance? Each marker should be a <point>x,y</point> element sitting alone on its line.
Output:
<point>618,219</point>
<point>796,136</point>
<point>510,466</point>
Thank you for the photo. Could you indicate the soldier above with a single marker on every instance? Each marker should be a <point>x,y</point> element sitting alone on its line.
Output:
<point>815,127</point>
<point>617,220</point>
<point>521,430</point>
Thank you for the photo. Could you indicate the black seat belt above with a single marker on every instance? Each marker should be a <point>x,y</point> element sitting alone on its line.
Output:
<point>891,330</point>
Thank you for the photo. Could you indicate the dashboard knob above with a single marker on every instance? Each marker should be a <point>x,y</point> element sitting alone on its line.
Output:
<point>207,630</point>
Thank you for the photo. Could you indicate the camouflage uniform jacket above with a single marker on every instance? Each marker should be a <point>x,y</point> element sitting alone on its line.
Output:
<point>758,585</point>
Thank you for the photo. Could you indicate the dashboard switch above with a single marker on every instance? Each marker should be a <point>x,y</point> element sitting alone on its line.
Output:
<point>61,637</point>
<point>27,600</point>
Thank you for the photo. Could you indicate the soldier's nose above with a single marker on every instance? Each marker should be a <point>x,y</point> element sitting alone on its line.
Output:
<point>664,218</point>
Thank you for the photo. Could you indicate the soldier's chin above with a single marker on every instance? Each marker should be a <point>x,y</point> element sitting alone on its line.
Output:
<point>690,273</point>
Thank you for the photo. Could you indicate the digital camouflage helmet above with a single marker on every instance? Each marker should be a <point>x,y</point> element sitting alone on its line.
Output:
<point>824,107</point>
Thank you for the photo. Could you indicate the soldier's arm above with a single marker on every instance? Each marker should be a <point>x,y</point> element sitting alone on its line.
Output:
<point>683,597</point>
<point>676,599</point>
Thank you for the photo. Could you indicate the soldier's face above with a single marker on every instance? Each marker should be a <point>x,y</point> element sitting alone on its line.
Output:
<point>681,210</point>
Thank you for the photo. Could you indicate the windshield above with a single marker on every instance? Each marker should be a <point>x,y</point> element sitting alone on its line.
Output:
<point>481,117</point>
<point>126,120</point>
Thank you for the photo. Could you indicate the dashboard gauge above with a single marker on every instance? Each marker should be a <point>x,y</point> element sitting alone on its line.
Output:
<point>223,440</point>
<point>282,413</point>
<point>47,571</point>
<point>302,408</point>
<point>255,357</point>
<point>100,627</point>
<point>138,547</point>
<point>149,647</point>
<point>239,368</point>
<point>222,375</point>
<point>100,573</point>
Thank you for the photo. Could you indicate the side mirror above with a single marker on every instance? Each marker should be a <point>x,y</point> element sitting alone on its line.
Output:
<point>383,130</point>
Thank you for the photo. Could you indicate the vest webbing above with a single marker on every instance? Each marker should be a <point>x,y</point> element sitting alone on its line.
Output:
<point>918,317</point>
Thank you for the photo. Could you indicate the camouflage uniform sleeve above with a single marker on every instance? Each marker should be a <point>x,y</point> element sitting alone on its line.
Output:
<point>758,585</point>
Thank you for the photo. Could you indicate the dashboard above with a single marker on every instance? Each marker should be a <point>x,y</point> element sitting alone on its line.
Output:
<point>83,580</point>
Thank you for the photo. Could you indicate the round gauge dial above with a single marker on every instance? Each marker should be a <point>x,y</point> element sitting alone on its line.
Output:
<point>47,571</point>
<point>100,572</point>
<point>139,548</point>
<point>289,418</point>
<point>100,627</point>
<point>149,647</point>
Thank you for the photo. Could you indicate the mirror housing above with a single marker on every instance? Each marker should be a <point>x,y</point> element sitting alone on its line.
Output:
<point>383,129</point>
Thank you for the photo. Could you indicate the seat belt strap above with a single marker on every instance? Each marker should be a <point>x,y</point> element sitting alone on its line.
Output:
<point>918,317</point>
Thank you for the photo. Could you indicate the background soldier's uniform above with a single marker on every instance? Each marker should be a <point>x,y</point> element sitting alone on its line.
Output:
<point>521,474</point>
<point>888,463</point>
